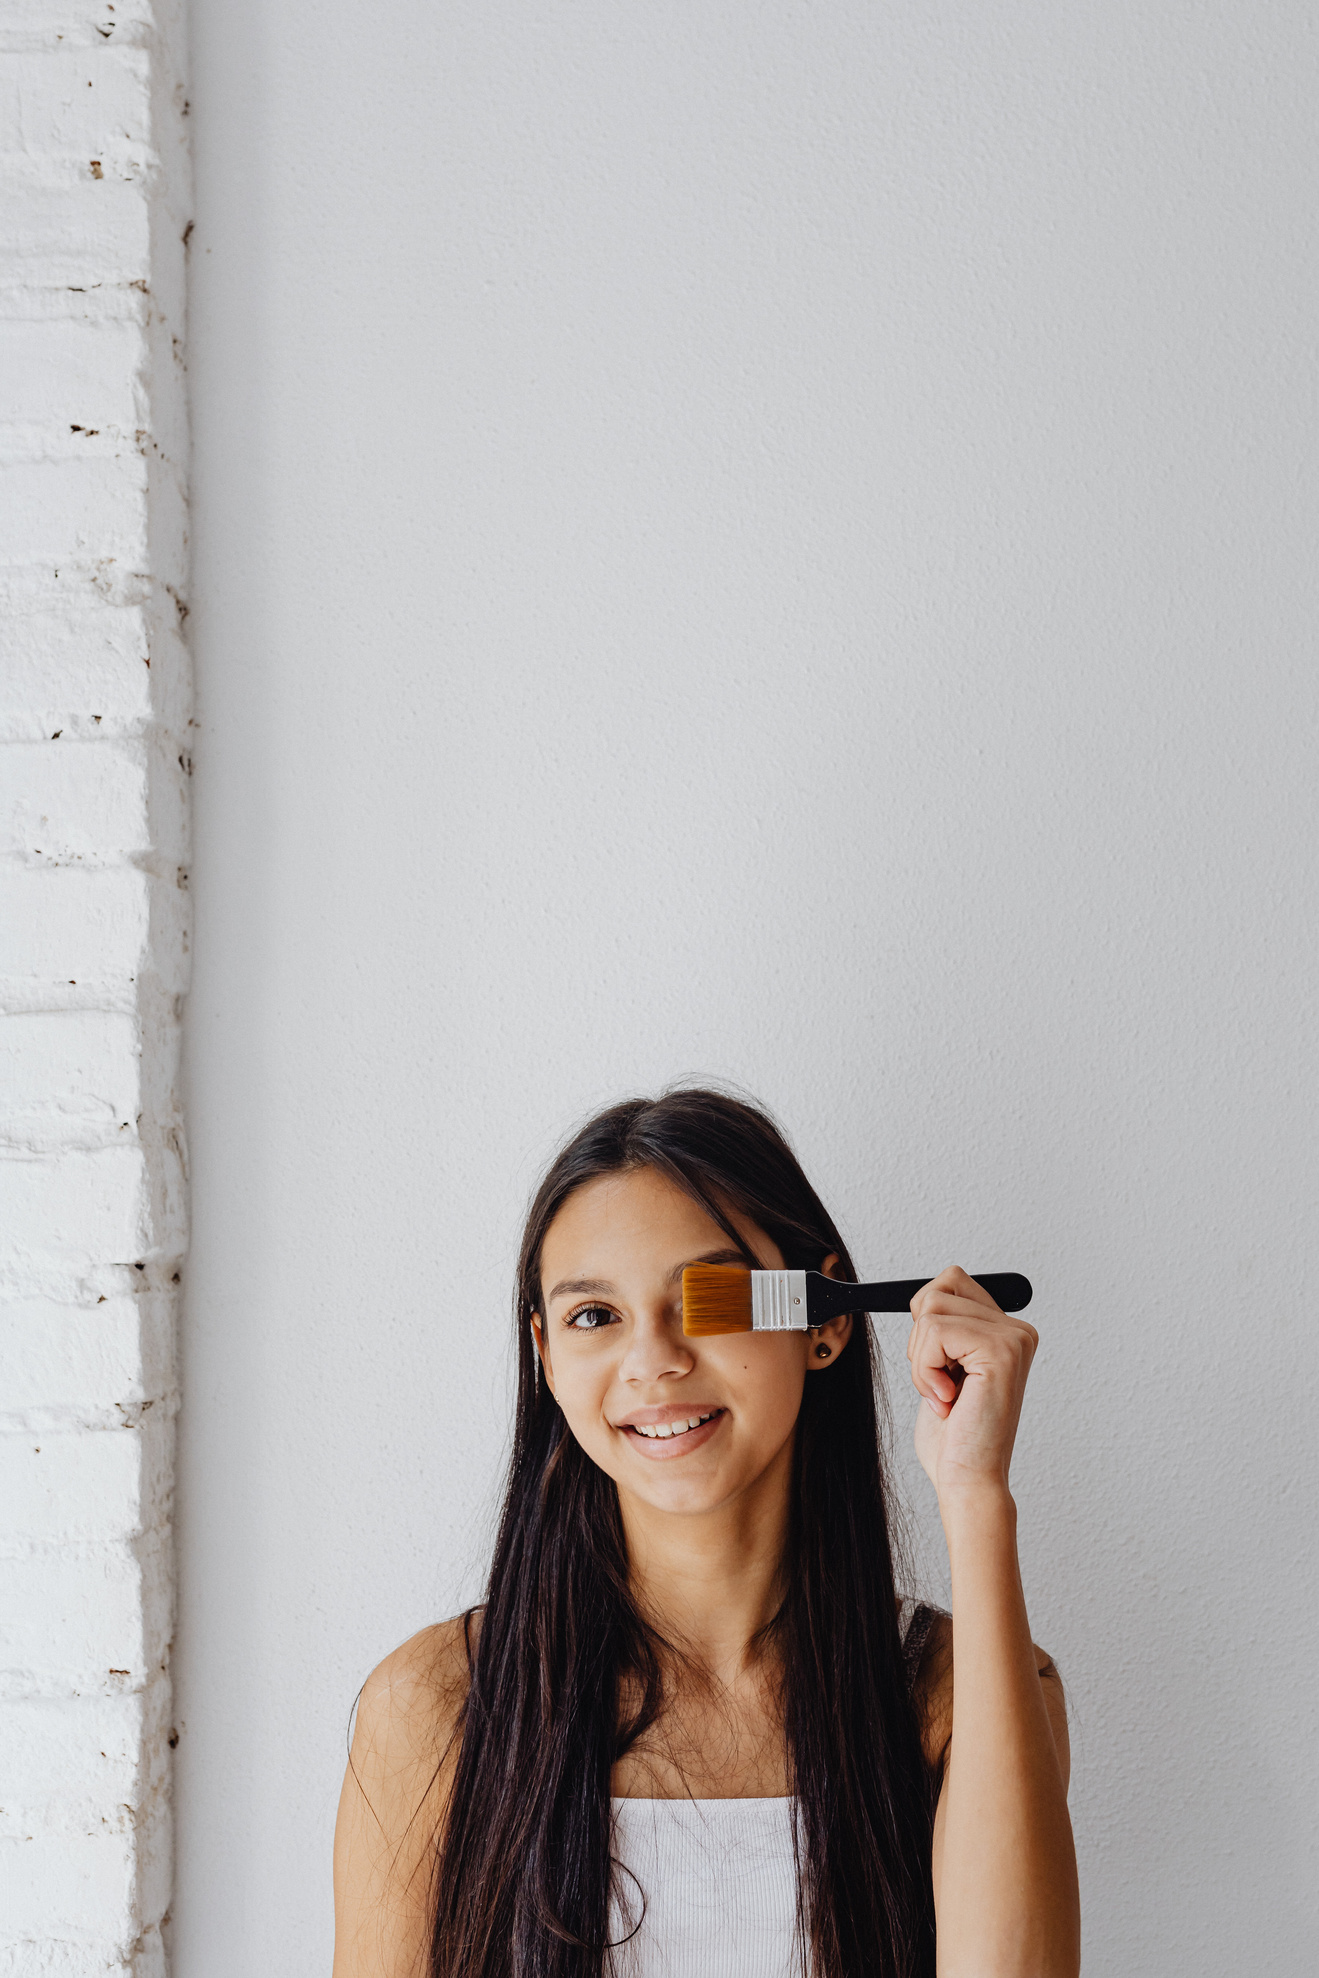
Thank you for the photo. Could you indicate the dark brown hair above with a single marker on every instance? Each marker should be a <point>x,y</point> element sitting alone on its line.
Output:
<point>523,1872</point>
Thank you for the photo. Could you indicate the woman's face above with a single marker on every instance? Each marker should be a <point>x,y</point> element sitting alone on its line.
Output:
<point>629,1381</point>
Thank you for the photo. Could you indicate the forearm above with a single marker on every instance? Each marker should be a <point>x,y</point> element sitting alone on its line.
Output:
<point>1006,1898</point>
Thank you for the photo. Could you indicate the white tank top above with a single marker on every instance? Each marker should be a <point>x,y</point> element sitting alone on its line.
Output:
<point>719,1881</point>
<point>718,1878</point>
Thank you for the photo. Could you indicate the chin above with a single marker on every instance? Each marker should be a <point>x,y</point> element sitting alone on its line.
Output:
<point>683,1497</point>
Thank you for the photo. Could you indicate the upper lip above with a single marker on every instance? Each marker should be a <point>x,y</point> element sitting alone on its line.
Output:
<point>657,1418</point>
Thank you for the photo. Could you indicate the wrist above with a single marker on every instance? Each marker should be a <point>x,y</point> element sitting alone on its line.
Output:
<point>973,1506</point>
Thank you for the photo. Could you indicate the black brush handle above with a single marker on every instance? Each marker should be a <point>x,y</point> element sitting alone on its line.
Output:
<point>829,1297</point>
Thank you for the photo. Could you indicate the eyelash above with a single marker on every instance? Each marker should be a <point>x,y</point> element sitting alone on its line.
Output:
<point>581,1311</point>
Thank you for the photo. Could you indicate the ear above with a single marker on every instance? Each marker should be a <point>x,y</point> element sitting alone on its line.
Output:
<point>834,1333</point>
<point>538,1334</point>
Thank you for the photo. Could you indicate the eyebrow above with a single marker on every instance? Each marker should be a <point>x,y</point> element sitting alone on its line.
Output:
<point>601,1287</point>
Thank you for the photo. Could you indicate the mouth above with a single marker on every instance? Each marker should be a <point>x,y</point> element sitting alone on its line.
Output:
<point>663,1440</point>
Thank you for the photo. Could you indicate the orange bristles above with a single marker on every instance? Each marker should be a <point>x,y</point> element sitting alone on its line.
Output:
<point>715,1298</point>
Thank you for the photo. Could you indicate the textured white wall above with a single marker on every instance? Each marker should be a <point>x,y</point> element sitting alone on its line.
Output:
<point>94,741</point>
<point>777,542</point>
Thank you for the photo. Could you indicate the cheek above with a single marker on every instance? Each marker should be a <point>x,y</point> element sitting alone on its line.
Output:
<point>580,1386</point>
<point>583,1389</point>
<point>764,1379</point>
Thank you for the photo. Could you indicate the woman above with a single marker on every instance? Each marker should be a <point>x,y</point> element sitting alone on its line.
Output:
<point>693,1730</point>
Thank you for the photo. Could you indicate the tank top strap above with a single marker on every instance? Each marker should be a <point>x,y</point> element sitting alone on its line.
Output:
<point>916,1620</point>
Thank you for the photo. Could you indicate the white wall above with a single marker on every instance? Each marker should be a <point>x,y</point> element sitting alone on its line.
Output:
<point>773,542</point>
<point>94,742</point>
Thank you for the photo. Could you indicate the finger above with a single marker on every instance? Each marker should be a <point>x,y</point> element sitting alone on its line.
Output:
<point>938,1393</point>
<point>978,1342</point>
<point>976,1334</point>
<point>954,1278</point>
<point>929,1304</point>
<point>931,1372</point>
<point>971,1333</point>
<point>944,1353</point>
<point>944,1321</point>
<point>954,1283</point>
<point>944,1305</point>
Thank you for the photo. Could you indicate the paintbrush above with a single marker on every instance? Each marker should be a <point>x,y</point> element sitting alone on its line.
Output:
<point>725,1298</point>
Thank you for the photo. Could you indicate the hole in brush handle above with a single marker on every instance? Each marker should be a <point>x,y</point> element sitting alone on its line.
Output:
<point>829,1298</point>
<point>1009,1289</point>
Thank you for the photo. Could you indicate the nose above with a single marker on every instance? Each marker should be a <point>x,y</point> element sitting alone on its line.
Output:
<point>656,1349</point>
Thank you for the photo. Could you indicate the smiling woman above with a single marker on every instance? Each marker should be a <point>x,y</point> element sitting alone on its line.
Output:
<point>635,1391</point>
<point>693,1729</point>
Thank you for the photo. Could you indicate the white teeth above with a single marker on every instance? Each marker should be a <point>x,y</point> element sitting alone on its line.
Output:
<point>663,1431</point>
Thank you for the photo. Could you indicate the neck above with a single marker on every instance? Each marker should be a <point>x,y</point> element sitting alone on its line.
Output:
<point>711,1581</point>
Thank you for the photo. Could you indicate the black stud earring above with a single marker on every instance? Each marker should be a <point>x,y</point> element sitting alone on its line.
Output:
<point>822,1352</point>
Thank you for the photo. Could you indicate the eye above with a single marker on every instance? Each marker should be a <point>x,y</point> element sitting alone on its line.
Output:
<point>590,1318</point>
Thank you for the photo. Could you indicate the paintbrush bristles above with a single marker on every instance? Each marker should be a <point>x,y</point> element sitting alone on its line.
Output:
<point>715,1298</point>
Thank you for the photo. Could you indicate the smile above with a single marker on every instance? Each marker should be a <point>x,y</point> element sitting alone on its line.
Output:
<point>674,1438</point>
<point>664,1430</point>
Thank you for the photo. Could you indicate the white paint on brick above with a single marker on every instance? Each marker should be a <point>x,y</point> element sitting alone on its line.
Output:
<point>95,726</point>
<point>66,1212</point>
<point>68,1079</point>
<point>70,1764</point>
<point>75,668</point>
<point>59,367</point>
<point>95,1364</point>
<point>87,1486</point>
<point>85,1619</point>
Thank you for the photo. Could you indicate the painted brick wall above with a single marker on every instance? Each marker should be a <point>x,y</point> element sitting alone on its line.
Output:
<point>94,727</point>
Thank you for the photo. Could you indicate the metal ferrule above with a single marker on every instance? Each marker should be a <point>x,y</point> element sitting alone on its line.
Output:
<point>778,1301</point>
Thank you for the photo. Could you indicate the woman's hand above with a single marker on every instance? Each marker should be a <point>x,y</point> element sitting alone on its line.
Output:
<point>969,1362</point>
<point>1003,1863</point>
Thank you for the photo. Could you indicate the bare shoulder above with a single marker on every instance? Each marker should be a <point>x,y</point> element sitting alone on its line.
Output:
<point>410,1705</point>
<point>395,1791</point>
<point>934,1696</point>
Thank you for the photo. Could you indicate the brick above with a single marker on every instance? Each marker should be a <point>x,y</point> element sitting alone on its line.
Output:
<point>49,1959</point>
<point>84,1486</point>
<point>77,508</point>
<point>69,1079</point>
<point>67,1759</point>
<point>80,802</point>
<point>63,1214</point>
<point>83,1619</point>
<point>92,1363</point>
<point>35,23</point>
<point>89,373</point>
<point>97,1359</point>
<point>103,930</point>
<point>84,103</point>
<point>68,1886</point>
<point>73,802</point>
<point>79,233</point>
<point>61,925</point>
<point>75,662</point>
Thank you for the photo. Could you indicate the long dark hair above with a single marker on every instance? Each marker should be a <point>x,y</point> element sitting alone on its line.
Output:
<point>522,1881</point>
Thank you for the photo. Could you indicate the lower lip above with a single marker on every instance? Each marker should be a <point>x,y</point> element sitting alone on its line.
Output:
<point>661,1449</point>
